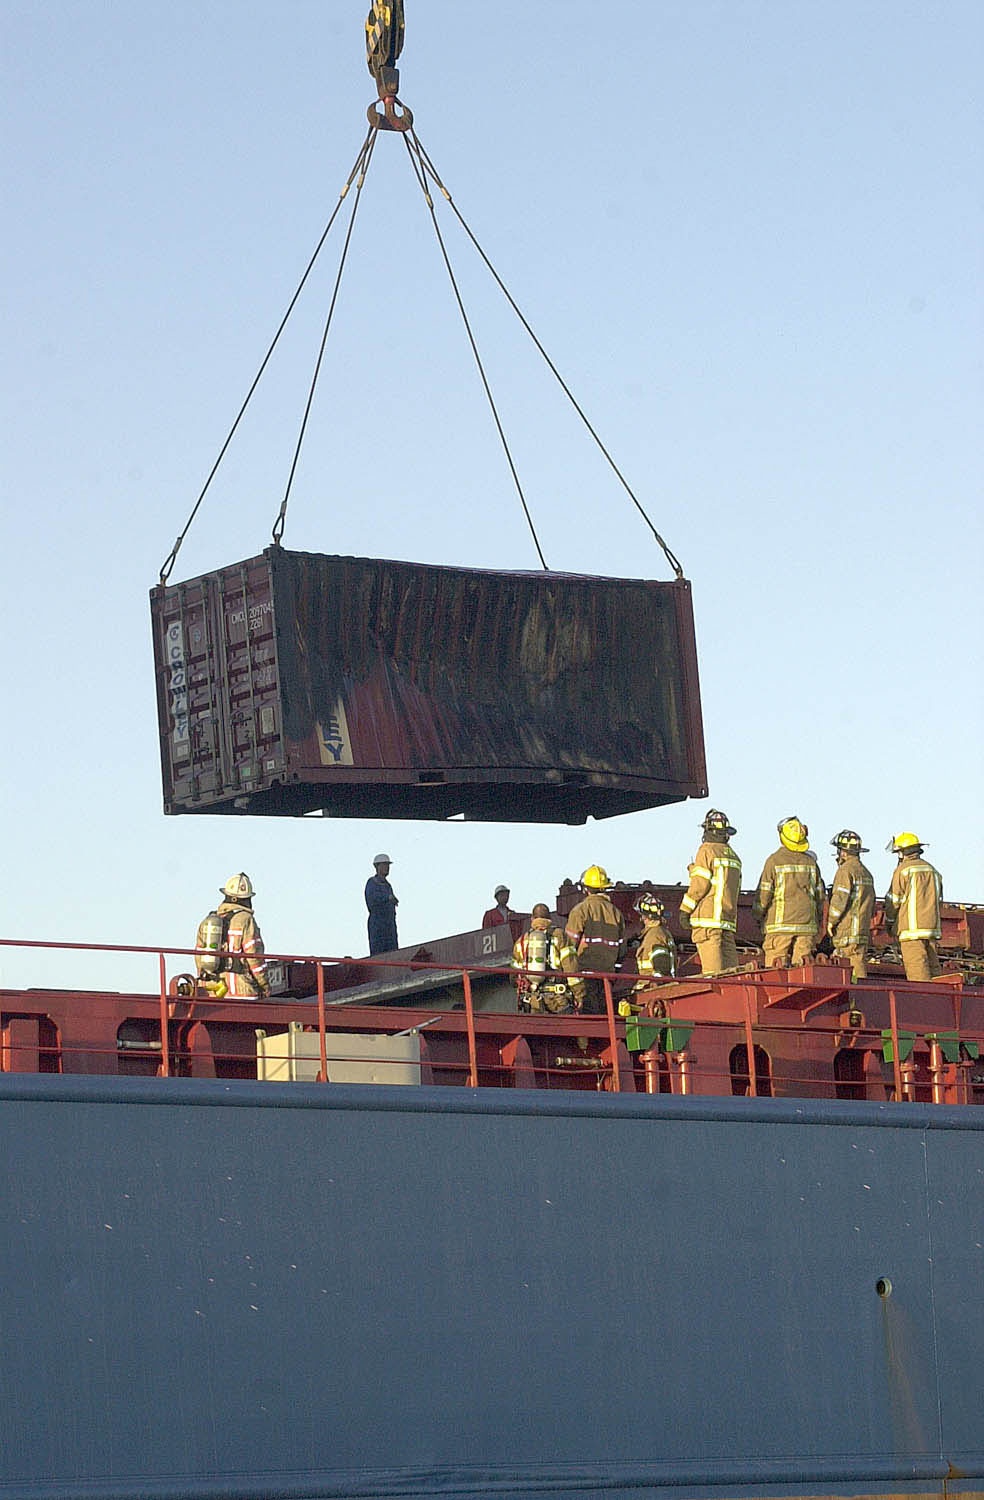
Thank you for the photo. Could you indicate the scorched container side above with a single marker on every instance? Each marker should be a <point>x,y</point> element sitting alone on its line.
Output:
<point>295,683</point>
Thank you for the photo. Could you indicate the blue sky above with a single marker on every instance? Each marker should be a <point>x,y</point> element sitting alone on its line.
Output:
<point>747,231</point>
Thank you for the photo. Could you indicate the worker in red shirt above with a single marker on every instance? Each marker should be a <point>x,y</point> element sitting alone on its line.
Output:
<point>499,914</point>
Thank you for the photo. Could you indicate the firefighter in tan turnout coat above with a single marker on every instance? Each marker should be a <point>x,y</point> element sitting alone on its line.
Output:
<point>656,953</point>
<point>711,902</point>
<point>229,942</point>
<point>543,958</point>
<point>912,908</point>
<point>596,932</point>
<point>790,897</point>
<point>852,903</point>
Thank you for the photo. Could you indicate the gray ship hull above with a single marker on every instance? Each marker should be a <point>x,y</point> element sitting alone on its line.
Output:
<point>237,1290</point>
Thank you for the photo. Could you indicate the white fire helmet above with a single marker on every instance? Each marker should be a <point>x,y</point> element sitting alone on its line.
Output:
<point>238,887</point>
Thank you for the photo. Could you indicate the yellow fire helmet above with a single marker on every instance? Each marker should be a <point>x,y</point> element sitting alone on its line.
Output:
<point>904,843</point>
<point>794,835</point>
<point>595,878</point>
<point>238,887</point>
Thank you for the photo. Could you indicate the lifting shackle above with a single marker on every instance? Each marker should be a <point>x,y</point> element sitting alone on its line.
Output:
<point>385,28</point>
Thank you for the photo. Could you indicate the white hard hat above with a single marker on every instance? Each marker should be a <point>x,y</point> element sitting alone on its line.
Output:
<point>500,888</point>
<point>382,859</point>
<point>238,887</point>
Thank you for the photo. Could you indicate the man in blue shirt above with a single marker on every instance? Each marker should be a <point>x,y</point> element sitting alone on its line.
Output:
<point>382,905</point>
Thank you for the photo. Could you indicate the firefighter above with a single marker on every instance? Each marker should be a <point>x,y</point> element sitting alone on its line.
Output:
<point>711,902</point>
<point>913,907</point>
<point>230,944</point>
<point>381,904</point>
<point>852,903</point>
<point>543,951</point>
<point>656,953</point>
<point>596,931</point>
<point>789,901</point>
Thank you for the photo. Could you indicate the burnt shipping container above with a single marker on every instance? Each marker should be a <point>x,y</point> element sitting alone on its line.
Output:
<point>294,683</point>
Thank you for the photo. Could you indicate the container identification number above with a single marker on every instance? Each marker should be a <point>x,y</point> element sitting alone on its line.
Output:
<point>256,614</point>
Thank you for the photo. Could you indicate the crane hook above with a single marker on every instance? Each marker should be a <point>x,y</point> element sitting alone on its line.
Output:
<point>385,30</point>
<point>389,119</point>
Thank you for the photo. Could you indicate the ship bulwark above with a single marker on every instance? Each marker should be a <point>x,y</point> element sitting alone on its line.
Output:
<point>222,1290</point>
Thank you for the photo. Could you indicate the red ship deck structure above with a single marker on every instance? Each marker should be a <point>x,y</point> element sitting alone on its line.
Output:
<point>445,1013</point>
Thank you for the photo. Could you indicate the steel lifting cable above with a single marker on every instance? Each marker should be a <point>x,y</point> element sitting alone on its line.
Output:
<point>278,525</point>
<point>420,174</point>
<point>428,169</point>
<point>358,170</point>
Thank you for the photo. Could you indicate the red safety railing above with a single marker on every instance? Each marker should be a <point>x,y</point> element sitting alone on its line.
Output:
<point>745,1052</point>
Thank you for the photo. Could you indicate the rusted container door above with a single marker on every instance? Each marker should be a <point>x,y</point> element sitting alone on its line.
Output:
<point>295,682</point>
<point>218,689</point>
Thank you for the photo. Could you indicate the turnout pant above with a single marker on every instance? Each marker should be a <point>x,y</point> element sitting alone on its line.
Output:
<point>787,950</point>
<point>855,955</point>
<point>589,995</point>
<point>716,949</point>
<point>919,957</point>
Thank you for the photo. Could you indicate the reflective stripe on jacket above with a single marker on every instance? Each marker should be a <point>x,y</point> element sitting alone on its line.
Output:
<point>790,894</point>
<point>852,903</point>
<point>596,928</point>
<point>715,884</point>
<point>912,906</point>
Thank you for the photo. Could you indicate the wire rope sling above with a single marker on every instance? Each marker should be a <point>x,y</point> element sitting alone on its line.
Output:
<point>575,745</point>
